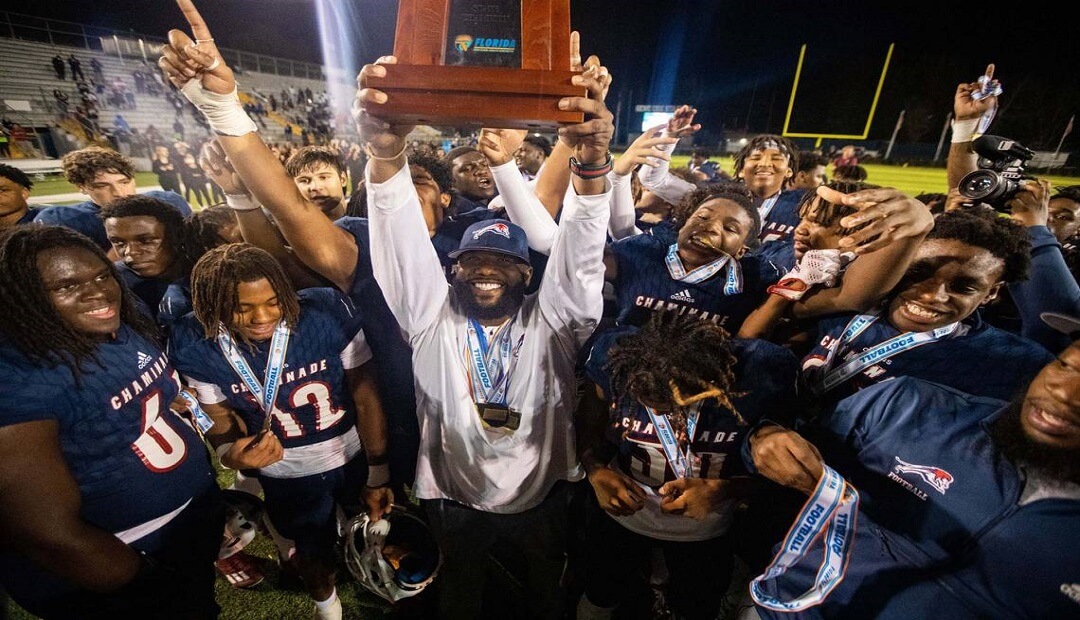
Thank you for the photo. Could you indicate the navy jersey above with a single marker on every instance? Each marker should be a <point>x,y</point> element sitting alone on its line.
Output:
<point>983,360</point>
<point>392,354</point>
<point>30,215</point>
<point>779,253</point>
<point>644,285</point>
<point>149,290</point>
<point>783,218</point>
<point>765,374</point>
<point>85,217</point>
<point>313,403</point>
<point>943,530</point>
<point>133,459</point>
<point>175,303</point>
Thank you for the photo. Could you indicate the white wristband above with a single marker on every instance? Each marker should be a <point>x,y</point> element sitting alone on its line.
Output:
<point>963,131</point>
<point>222,449</point>
<point>223,112</point>
<point>242,202</point>
<point>378,475</point>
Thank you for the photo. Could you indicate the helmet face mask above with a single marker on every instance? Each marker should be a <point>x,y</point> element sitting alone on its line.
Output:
<point>395,557</point>
<point>243,513</point>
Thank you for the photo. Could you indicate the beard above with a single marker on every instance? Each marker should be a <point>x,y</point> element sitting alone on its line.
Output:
<point>1007,433</point>
<point>508,303</point>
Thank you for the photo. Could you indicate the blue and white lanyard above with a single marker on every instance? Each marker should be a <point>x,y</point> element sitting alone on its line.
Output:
<point>265,393</point>
<point>202,421</point>
<point>832,377</point>
<point>679,460</point>
<point>834,505</point>
<point>767,205</point>
<point>490,363</point>
<point>732,286</point>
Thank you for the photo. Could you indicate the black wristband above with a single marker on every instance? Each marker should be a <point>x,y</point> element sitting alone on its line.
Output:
<point>592,171</point>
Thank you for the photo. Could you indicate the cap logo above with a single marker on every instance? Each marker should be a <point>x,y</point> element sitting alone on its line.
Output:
<point>498,228</point>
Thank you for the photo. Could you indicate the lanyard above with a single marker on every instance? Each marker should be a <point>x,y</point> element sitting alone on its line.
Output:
<point>766,206</point>
<point>732,286</point>
<point>833,505</point>
<point>679,460</point>
<point>265,393</point>
<point>202,421</point>
<point>832,377</point>
<point>490,363</point>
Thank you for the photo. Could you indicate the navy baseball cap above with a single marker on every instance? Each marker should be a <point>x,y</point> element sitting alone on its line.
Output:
<point>498,236</point>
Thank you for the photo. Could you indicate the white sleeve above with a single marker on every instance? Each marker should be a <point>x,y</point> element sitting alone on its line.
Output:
<point>661,182</point>
<point>403,260</point>
<point>571,293</point>
<point>207,393</point>
<point>623,215</point>
<point>356,353</point>
<point>524,208</point>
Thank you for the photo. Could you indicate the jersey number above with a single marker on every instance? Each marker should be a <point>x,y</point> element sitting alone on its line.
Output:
<point>316,394</point>
<point>159,446</point>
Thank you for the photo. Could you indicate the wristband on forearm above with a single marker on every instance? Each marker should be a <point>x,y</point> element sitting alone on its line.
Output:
<point>964,130</point>
<point>224,113</point>
<point>242,202</point>
<point>378,475</point>
<point>592,171</point>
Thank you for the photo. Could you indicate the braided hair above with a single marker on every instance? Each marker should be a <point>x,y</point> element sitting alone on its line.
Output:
<point>769,141</point>
<point>28,318</point>
<point>670,356</point>
<point>825,213</point>
<point>217,274</point>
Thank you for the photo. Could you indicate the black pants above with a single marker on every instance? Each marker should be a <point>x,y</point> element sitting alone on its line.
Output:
<point>475,544</point>
<point>699,572</point>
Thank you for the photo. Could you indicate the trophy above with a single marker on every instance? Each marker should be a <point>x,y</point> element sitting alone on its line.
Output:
<point>480,63</point>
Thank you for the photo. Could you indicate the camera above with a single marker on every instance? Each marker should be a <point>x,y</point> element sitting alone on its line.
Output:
<point>1001,167</point>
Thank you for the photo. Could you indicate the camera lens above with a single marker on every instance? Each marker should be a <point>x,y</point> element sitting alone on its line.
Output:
<point>980,185</point>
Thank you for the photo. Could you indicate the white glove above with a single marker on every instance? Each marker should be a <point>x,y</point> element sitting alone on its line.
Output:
<point>816,267</point>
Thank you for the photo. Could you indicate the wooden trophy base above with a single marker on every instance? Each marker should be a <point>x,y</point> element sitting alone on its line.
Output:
<point>473,97</point>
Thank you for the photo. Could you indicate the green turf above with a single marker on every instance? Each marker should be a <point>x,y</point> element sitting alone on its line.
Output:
<point>56,184</point>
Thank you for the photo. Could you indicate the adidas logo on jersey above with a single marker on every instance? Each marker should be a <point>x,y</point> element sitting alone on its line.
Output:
<point>683,295</point>
<point>144,360</point>
<point>1071,590</point>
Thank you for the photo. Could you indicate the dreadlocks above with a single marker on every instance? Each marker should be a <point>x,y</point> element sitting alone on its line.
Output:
<point>28,318</point>
<point>768,141</point>
<point>671,357</point>
<point>206,229</point>
<point>217,274</point>
<point>735,192</point>
<point>825,213</point>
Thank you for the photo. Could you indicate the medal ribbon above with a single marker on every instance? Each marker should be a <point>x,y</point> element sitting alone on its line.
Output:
<point>491,363</point>
<point>679,460</point>
<point>732,285</point>
<point>832,509</point>
<point>265,393</point>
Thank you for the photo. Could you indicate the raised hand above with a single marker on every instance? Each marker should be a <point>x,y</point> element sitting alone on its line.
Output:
<point>681,124</point>
<point>589,139</point>
<point>499,145</point>
<point>383,139</point>
<point>891,214</point>
<point>969,103</point>
<point>643,151</point>
<point>616,492</point>
<point>216,165</point>
<point>1031,205</point>
<point>783,456</point>
<point>815,267</point>
<point>185,59</point>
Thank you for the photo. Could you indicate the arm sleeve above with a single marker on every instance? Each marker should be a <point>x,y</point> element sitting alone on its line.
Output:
<point>1050,287</point>
<point>403,260</point>
<point>623,215</point>
<point>524,208</point>
<point>661,182</point>
<point>571,293</point>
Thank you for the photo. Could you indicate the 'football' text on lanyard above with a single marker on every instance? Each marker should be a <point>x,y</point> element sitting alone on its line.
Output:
<point>832,377</point>
<point>202,421</point>
<point>832,508</point>
<point>733,284</point>
<point>490,363</point>
<point>265,393</point>
<point>679,460</point>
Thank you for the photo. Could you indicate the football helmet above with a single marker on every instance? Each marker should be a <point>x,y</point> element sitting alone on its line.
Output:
<point>243,513</point>
<point>395,557</point>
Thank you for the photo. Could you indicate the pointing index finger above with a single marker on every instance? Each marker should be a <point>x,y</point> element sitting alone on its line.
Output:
<point>990,71</point>
<point>198,26</point>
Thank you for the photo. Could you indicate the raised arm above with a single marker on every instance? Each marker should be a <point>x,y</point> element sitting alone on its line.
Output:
<point>197,68</point>
<point>402,258</point>
<point>969,105</point>
<point>522,205</point>
<point>645,151</point>
<point>658,179</point>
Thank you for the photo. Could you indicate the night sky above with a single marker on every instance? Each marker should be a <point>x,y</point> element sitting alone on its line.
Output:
<point>734,60</point>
